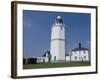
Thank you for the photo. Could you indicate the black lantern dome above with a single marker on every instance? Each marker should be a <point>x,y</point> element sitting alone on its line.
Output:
<point>59,20</point>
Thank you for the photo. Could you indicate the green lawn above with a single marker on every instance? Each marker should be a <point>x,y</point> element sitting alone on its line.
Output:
<point>53,65</point>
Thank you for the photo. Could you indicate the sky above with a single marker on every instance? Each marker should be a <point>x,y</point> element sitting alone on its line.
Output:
<point>37,31</point>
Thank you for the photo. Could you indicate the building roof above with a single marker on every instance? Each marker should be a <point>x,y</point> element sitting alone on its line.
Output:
<point>79,48</point>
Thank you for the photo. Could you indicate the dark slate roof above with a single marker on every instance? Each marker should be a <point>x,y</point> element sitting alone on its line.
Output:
<point>79,49</point>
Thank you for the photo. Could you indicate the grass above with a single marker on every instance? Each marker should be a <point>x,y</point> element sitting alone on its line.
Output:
<point>53,65</point>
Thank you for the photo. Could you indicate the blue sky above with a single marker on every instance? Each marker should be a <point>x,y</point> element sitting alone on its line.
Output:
<point>37,30</point>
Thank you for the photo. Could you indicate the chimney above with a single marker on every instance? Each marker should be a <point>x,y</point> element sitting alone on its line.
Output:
<point>79,45</point>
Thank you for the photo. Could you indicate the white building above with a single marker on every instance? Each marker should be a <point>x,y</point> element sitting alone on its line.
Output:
<point>80,54</point>
<point>57,48</point>
<point>45,58</point>
<point>40,59</point>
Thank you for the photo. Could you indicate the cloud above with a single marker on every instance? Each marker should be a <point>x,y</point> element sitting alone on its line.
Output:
<point>27,24</point>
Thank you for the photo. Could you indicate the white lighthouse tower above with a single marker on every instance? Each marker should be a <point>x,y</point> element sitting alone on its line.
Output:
<point>58,41</point>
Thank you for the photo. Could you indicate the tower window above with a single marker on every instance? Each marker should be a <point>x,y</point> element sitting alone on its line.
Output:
<point>54,57</point>
<point>61,27</point>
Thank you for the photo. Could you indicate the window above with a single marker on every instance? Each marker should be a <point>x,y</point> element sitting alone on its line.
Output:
<point>79,52</point>
<point>84,51</point>
<point>61,27</point>
<point>54,57</point>
<point>75,57</point>
<point>84,57</point>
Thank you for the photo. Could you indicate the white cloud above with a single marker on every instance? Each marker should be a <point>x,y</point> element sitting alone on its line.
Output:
<point>27,24</point>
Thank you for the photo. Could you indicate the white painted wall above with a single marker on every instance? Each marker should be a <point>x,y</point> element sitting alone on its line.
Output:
<point>57,42</point>
<point>54,49</point>
<point>68,58</point>
<point>61,50</point>
<point>80,55</point>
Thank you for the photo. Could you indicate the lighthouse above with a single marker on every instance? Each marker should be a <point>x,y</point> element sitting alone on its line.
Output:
<point>57,47</point>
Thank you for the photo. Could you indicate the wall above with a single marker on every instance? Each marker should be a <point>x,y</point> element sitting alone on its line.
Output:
<point>5,41</point>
